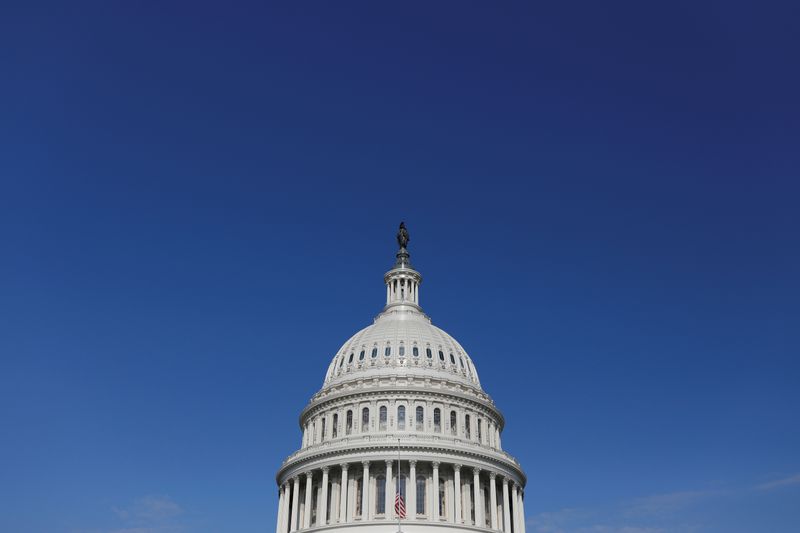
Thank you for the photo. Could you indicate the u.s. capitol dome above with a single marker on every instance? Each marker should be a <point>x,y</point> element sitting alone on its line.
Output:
<point>401,407</point>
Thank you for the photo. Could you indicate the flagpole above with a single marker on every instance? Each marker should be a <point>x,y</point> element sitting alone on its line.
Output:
<point>399,524</point>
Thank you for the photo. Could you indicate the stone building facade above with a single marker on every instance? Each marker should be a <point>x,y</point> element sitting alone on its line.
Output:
<point>401,409</point>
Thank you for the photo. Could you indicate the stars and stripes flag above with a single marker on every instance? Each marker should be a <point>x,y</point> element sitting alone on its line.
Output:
<point>399,506</point>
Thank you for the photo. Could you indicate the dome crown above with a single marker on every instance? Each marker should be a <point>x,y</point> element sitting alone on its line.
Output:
<point>402,339</point>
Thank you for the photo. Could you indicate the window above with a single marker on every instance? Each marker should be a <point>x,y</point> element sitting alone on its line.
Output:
<point>314,498</point>
<point>374,353</point>
<point>441,356</point>
<point>401,417</point>
<point>382,418</point>
<point>324,427</point>
<point>350,359</point>
<point>453,423</point>
<point>428,353</point>
<point>335,426</point>
<point>348,428</point>
<point>388,351</point>
<point>437,420</point>
<point>359,489</point>
<point>361,356</point>
<point>461,360</point>
<point>421,495</point>
<point>442,506</point>
<point>402,487</point>
<point>402,351</point>
<point>466,427</point>
<point>341,361</point>
<point>420,418</point>
<point>452,359</point>
<point>480,430</point>
<point>380,495</point>
<point>415,351</point>
<point>365,419</point>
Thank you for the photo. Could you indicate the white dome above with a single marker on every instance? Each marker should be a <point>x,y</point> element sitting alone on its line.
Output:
<point>402,341</point>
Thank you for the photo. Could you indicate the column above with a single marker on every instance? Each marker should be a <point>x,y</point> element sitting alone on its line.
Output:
<point>521,512</point>
<point>389,501</point>
<point>287,498</point>
<point>309,489</point>
<point>493,499</point>
<point>295,503</point>
<point>365,492</point>
<point>476,496</point>
<point>323,505</point>
<point>457,493</point>
<point>343,496</point>
<point>435,491</point>
<point>515,503</point>
<point>411,504</point>
<point>506,508</point>
<point>281,508</point>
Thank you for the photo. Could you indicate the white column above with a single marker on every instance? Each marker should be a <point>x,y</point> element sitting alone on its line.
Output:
<point>365,492</point>
<point>343,496</point>
<point>323,505</point>
<point>476,496</point>
<point>307,510</point>
<point>389,496</point>
<point>506,508</point>
<point>515,503</point>
<point>295,503</point>
<point>388,295</point>
<point>284,517</point>
<point>411,504</point>
<point>281,508</point>
<point>435,491</point>
<point>521,512</point>
<point>458,519</point>
<point>493,499</point>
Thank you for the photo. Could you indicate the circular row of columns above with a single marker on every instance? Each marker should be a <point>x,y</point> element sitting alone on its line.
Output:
<point>290,521</point>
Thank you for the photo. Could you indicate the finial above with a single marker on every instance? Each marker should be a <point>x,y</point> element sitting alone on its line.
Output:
<point>402,236</point>
<point>402,241</point>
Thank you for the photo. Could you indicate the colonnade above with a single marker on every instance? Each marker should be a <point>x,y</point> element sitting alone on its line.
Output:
<point>432,491</point>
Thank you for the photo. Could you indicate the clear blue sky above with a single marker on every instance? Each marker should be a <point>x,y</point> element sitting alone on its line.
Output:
<point>198,202</point>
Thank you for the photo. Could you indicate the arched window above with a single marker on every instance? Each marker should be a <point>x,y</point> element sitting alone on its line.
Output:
<point>382,418</point>
<point>314,499</point>
<point>402,350</point>
<point>415,351</point>
<point>401,417</point>
<point>365,419</point>
<point>341,362</point>
<point>442,503</point>
<point>361,356</point>
<point>348,428</point>
<point>480,430</point>
<point>380,495</point>
<point>437,420</point>
<point>461,360</point>
<point>467,433</point>
<point>441,356</point>
<point>324,427</point>
<point>452,359</point>
<point>359,490</point>
<point>335,426</point>
<point>387,352</point>
<point>428,353</point>
<point>350,359</point>
<point>374,353</point>
<point>421,499</point>
<point>420,418</point>
<point>453,423</point>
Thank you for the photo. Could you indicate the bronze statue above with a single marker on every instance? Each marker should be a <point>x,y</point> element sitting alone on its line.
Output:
<point>402,235</point>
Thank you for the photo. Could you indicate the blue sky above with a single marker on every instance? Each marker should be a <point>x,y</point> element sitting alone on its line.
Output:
<point>198,202</point>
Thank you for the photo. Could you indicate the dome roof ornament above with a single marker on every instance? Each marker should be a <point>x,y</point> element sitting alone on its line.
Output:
<point>403,260</point>
<point>402,281</point>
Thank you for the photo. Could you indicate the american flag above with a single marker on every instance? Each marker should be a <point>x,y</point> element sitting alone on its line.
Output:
<point>399,506</point>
